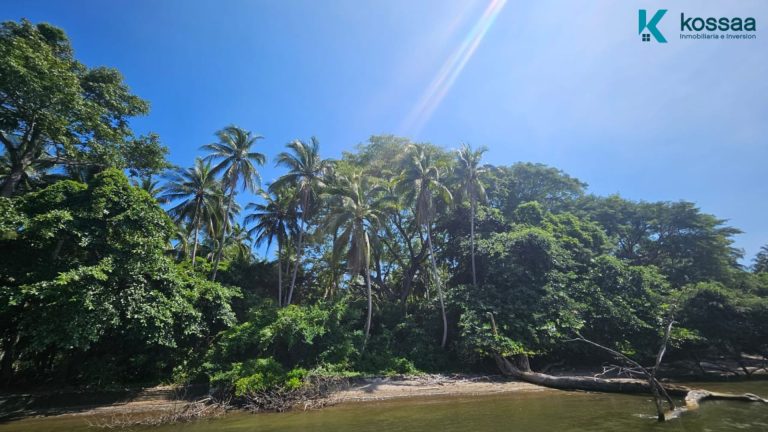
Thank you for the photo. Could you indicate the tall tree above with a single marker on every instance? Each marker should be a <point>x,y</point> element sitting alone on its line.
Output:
<point>422,184</point>
<point>237,164</point>
<point>57,111</point>
<point>761,260</point>
<point>525,182</point>
<point>198,190</point>
<point>306,172</point>
<point>688,246</point>
<point>275,220</point>
<point>471,186</point>
<point>359,211</point>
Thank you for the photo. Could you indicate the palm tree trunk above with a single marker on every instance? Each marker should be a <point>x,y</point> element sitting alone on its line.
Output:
<point>299,247</point>
<point>279,273</point>
<point>194,240</point>
<point>368,289</point>
<point>330,290</point>
<point>472,240</point>
<point>223,233</point>
<point>370,303</point>
<point>439,286</point>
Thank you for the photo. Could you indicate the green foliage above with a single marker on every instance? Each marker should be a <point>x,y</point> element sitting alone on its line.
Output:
<point>479,340</point>
<point>92,283</point>
<point>11,220</point>
<point>526,292</point>
<point>728,319</point>
<point>761,260</point>
<point>530,213</point>
<point>53,104</point>
<point>296,336</point>
<point>622,306</point>
<point>258,375</point>
<point>145,156</point>
<point>687,246</point>
<point>528,182</point>
<point>101,285</point>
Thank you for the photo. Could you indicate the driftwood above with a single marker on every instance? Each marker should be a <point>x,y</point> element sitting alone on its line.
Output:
<point>181,412</point>
<point>693,397</point>
<point>521,370</point>
<point>313,394</point>
<point>657,390</point>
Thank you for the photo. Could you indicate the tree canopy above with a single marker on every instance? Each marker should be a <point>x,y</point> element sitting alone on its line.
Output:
<point>397,257</point>
<point>56,111</point>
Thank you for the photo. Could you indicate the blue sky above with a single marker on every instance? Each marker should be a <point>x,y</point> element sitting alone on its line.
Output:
<point>565,83</point>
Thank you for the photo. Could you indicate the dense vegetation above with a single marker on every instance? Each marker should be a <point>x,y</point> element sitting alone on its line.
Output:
<point>396,257</point>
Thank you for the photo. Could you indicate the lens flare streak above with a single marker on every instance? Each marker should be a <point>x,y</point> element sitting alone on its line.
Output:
<point>451,70</point>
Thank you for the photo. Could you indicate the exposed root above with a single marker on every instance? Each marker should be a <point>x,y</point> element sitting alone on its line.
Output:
<point>312,395</point>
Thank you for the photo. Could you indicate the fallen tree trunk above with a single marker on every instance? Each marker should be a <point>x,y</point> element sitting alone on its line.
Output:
<point>691,396</point>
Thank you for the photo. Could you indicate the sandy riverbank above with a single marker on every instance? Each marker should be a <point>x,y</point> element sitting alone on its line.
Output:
<point>163,399</point>
<point>374,389</point>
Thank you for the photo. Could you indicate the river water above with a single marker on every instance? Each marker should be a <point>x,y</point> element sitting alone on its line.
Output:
<point>543,411</point>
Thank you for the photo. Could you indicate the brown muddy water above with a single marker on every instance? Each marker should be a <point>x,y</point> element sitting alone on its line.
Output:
<point>544,411</point>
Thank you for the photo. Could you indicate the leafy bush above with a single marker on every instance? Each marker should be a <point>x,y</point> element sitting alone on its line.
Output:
<point>295,337</point>
<point>258,375</point>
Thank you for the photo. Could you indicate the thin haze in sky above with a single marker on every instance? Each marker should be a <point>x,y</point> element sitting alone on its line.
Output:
<point>565,83</point>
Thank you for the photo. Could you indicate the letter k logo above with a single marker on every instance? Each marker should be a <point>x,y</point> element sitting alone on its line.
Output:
<point>651,26</point>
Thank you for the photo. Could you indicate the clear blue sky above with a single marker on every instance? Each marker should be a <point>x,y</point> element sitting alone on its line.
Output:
<point>565,83</point>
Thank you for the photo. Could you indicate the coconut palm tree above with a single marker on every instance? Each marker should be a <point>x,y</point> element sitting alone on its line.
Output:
<point>216,224</point>
<point>275,221</point>
<point>198,190</point>
<point>237,164</point>
<point>306,171</point>
<point>151,186</point>
<point>358,211</point>
<point>422,185</point>
<point>468,170</point>
<point>239,240</point>
<point>181,235</point>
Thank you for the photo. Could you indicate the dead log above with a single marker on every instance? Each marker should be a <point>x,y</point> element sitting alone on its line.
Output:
<point>604,385</point>
<point>692,397</point>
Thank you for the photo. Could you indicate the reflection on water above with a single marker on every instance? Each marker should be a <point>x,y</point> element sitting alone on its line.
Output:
<point>544,411</point>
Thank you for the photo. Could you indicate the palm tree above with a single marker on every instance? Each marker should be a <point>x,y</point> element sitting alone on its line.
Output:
<point>198,190</point>
<point>217,223</point>
<point>305,174</point>
<point>236,164</point>
<point>151,186</point>
<point>421,184</point>
<point>181,235</point>
<point>358,211</point>
<point>275,221</point>
<point>469,170</point>
<point>239,240</point>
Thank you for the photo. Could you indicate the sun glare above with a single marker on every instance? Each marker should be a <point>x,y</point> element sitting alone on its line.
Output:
<point>451,69</point>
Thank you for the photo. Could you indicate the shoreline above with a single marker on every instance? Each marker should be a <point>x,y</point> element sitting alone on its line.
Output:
<point>426,386</point>
<point>168,399</point>
<point>163,399</point>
